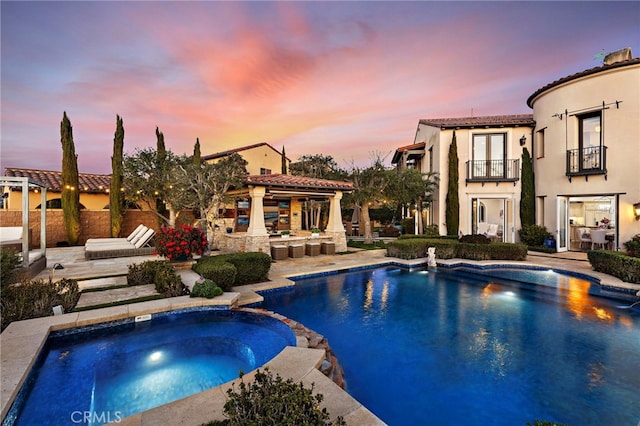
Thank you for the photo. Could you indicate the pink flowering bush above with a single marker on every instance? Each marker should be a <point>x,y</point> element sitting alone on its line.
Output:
<point>180,243</point>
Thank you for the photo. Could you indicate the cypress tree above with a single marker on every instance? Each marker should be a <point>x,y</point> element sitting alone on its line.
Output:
<point>452,212</point>
<point>70,183</point>
<point>161,155</point>
<point>116,197</point>
<point>284,162</point>
<point>527,191</point>
<point>197,157</point>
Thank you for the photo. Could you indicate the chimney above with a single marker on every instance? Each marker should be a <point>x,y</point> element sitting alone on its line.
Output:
<point>617,56</point>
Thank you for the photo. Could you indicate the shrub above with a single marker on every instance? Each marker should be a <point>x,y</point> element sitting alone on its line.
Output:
<point>219,271</point>
<point>474,239</point>
<point>431,231</point>
<point>9,264</point>
<point>408,225</point>
<point>160,273</point>
<point>182,242</point>
<point>207,289</point>
<point>446,248</point>
<point>617,264</point>
<point>390,231</point>
<point>533,235</point>
<point>633,246</point>
<point>35,299</point>
<point>275,401</point>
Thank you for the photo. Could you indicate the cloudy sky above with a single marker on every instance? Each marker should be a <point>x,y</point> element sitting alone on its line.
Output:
<point>347,79</point>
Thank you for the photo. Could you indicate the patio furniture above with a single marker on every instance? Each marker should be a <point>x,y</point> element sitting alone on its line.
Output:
<point>312,249</point>
<point>296,250</point>
<point>104,250</point>
<point>328,247</point>
<point>279,252</point>
<point>135,235</point>
<point>599,237</point>
<point>585,237</point>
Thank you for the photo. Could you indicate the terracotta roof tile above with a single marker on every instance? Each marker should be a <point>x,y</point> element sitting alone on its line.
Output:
<point>595,70</point>
<point>486,121</point>
<point>53,180</point>
<point>298,182</point>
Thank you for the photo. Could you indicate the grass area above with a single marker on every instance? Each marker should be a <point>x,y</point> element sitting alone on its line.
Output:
<point>377,245</point>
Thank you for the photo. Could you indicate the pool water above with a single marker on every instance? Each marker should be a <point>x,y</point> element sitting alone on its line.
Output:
<point>454,348</point>
<point>105,373</point>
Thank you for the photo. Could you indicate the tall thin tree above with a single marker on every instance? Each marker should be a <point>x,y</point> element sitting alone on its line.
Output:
<point>197,156</point>
<point>116,197</point>
<point>452,209</point>
<point>161,157</point>
<point>284,162</point>
<point>527,191</point>
<point>70,183</point>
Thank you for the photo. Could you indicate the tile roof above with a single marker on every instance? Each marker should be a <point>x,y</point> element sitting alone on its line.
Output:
<point>595,70</point>
<point>297,182</point>
<point>53,180</point>
<point>486,121</point>
<point>398,154</point>
<point>242,148</point>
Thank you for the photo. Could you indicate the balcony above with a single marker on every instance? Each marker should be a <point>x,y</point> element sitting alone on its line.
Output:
<point>587,161</point>
<point>493,171</point>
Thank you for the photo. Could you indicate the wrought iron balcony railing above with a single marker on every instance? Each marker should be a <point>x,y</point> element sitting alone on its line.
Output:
<point>493,170</point>
<point>587,161</point>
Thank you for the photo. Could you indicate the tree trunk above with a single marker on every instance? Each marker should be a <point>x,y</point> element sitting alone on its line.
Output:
<point>366,222</point>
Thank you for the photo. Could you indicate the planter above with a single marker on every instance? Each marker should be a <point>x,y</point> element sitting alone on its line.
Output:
<point>315,235</point>
<point>284,235</point>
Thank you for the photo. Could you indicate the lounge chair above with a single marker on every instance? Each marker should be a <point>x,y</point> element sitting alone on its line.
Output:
<point>136,234</point>
<point>139,246</point>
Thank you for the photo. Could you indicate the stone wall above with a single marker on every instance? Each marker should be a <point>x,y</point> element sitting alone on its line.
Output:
<point>93,224</point>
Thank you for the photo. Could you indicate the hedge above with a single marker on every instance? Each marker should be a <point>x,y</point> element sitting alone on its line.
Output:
<point>615,263</point>
<point>233,269</point>
<point>415,248</point>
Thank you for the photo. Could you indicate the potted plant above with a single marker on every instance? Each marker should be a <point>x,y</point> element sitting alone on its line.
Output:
<point>285,234</point>
<point>315,232</point>
<point>180,243</point>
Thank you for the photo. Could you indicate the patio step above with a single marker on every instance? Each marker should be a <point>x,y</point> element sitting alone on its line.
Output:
<point>105,282</point>
<point>249,298</point>
<point>96,298</point>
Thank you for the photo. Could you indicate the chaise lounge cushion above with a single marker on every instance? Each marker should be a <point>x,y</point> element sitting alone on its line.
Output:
<point>97,250</point>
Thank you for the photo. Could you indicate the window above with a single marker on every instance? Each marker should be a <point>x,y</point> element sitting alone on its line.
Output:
<point>264,171</point>
<point>489,155</point>
<point>540,211</point>
<point>540,144</point>
<point>590,140</point>
<point>431,159</point>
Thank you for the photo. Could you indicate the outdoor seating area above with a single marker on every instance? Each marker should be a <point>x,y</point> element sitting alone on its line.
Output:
<point>138,243</point>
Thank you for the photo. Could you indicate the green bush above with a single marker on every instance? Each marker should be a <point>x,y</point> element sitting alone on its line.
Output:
<point>431,231</point>
<point>533,235</point>
<point>160,273</point>
<point>474,239</point>
<point>389,231</point>
<point>446,248</point>
<point>633,246</point>
<point>408,225</point>
<point>617,264</point>
<point>228,270</point>
<point>207,289</point>
<point>275,401</point>
<point>35,299</point>
<point>219,271</point>
<point>9,264</point>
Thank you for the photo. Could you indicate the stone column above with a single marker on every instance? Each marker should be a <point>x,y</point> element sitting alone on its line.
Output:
<point>334,224</point>
<point>256,220</point>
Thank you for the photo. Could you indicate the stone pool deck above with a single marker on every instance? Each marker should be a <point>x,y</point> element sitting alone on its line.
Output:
<point>22,341</point>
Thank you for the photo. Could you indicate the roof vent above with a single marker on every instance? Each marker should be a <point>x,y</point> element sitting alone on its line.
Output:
<point>617,56</point>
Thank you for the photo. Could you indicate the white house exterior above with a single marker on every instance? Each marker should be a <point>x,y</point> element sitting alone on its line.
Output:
<point>489,162</point>
<point>586,151</point>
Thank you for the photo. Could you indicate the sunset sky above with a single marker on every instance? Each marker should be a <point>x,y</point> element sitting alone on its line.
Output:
<point>347,79</point>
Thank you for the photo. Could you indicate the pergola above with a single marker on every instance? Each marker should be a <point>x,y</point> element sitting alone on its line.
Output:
<point>27,184</point>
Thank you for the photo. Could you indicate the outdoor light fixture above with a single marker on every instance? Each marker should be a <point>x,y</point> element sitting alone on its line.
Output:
<point>523,140</point>
<point>636,210</point>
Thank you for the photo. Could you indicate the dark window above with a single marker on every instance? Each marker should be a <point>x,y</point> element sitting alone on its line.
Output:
<point>264,171</point>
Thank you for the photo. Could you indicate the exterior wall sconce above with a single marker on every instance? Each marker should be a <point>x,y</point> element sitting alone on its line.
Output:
<point>636,210</point>
<point>523,140</point>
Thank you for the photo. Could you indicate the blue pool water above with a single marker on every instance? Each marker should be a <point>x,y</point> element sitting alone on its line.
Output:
<point>109,372</point>
<point>456,348</point>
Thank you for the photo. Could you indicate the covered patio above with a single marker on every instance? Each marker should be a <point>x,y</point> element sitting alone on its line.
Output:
<point>272,210</point>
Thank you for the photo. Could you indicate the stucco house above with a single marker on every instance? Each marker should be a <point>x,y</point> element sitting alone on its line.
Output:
<point>586,152</point>
<point>489,150</point>
<point>261,158</point>
<point>584,139</point>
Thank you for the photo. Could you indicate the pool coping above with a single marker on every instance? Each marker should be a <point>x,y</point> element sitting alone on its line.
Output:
<point>22,341</point>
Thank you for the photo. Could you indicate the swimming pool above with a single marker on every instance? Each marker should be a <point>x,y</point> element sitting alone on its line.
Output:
<point>452,347</point>
<point>103,373</point>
